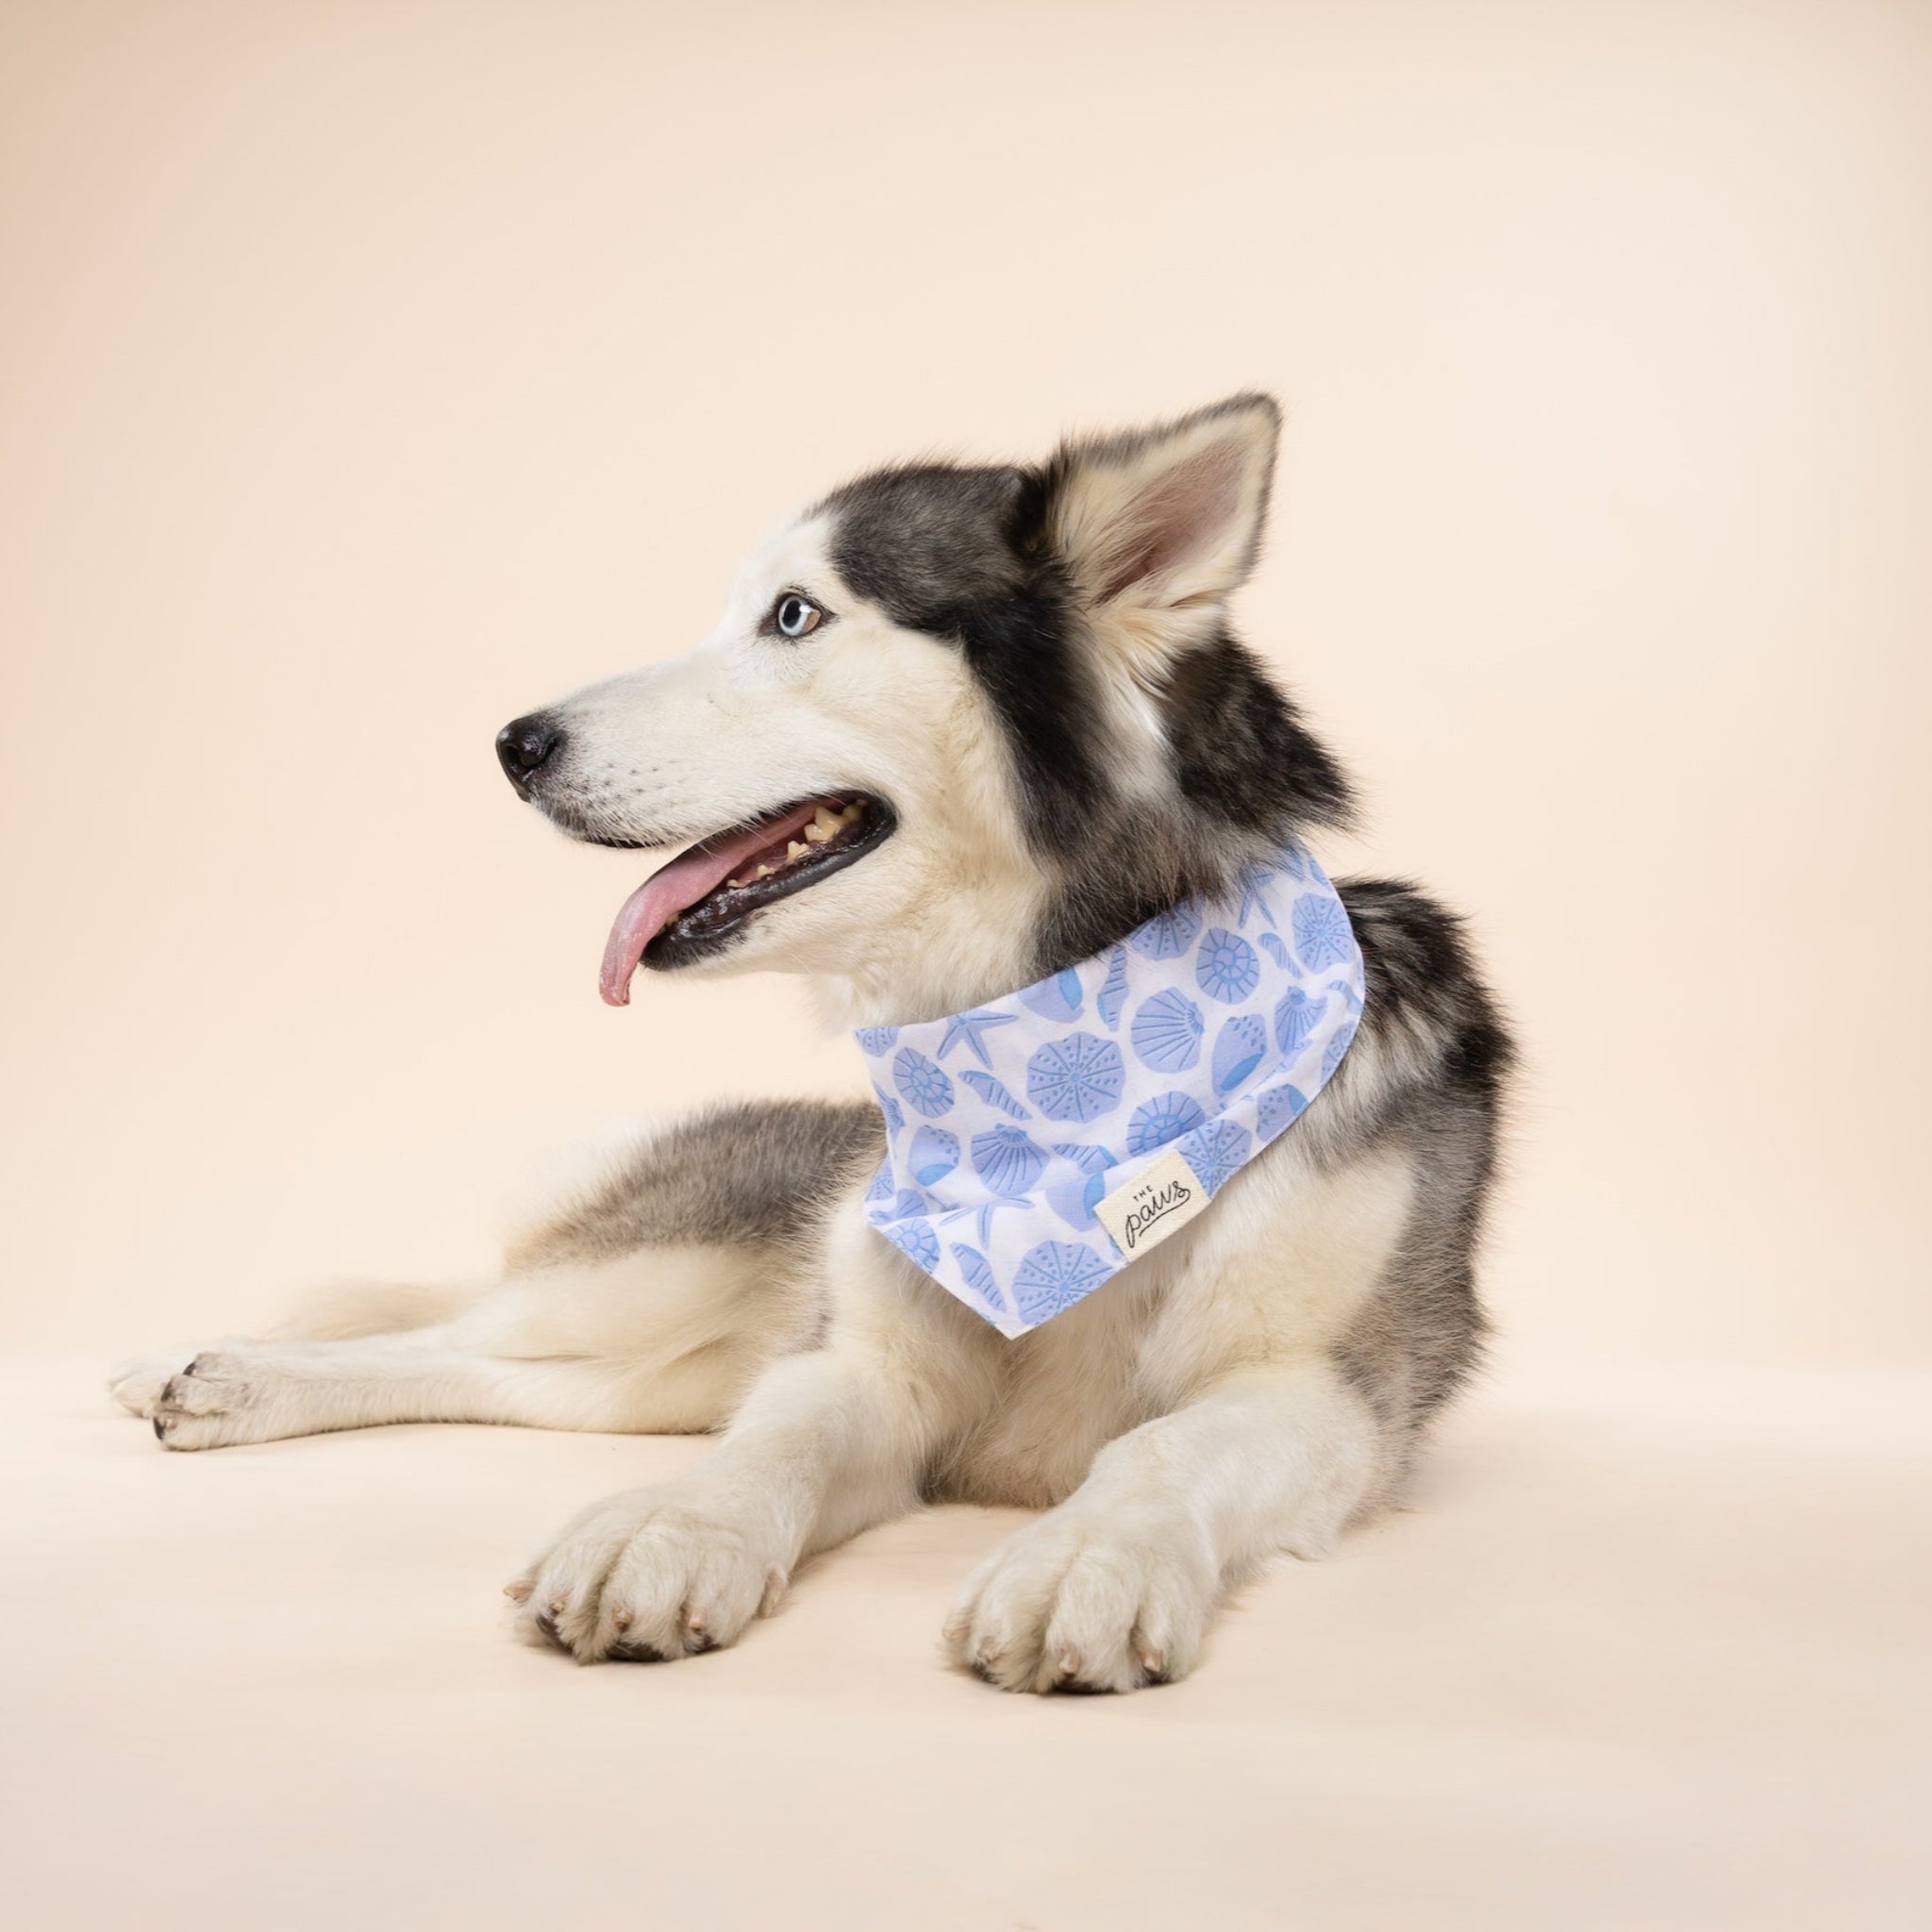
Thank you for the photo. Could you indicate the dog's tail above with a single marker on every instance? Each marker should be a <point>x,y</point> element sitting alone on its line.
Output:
<point>344,1310</point>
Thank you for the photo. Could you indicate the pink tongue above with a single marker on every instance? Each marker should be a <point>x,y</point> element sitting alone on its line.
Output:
<point>682,883</point>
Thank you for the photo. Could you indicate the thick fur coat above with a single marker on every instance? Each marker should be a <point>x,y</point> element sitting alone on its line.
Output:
<point>995,718</point>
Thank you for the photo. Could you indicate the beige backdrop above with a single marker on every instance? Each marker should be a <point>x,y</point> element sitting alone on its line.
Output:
<point>370,372</point>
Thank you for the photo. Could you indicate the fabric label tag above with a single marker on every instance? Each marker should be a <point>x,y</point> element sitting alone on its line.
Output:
<point>1166,1196</point>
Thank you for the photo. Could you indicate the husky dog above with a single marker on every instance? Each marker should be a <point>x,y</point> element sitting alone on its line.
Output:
<point>961,728</point>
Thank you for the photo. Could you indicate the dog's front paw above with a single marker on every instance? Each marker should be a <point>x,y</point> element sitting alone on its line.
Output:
<point>136,1384</point>
<point>207,1400</point>
<point>1076,1603</point>
<point>649,1575</point>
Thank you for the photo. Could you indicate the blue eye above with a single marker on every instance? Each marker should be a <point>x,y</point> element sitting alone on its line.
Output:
<point>796,616</point>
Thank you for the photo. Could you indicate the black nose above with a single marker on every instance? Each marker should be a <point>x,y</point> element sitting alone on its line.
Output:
<point>523,743</point>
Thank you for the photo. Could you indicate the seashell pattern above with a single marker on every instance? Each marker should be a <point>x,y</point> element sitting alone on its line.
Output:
<point>1239,1050</point>
<point>1321,934</point>
<point>1204,1035</point>
<point>1008,1160</point>
<point>1076,1078</point>
<point>994,1093</point>
<point>1164,1118</point>
<point>1226,967</point>
<point>977,1273</point>
<point>934,1154</point>
<point>1217,1151</point>
<point>924,1083</point>
<point>1296,1018</point>
<point>1166,1032</point>
<point>1278,1108</point>
<point>1112,995</point>
<point>1088,1159</point>
<point>1054,1276</point>
<point>1167,934</point>
<point>1057,998</point>
<point>915,1241</point>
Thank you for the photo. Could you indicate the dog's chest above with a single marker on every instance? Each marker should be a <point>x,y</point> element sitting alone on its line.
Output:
<point>1065,1390</point>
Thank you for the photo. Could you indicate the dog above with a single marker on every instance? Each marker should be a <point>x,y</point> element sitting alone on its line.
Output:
<point>961,727</point>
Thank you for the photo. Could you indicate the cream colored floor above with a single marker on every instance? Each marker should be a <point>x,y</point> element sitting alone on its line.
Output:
<point>1648,1652</point>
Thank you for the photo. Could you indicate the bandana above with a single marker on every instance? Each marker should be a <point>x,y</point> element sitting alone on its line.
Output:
<point>1039,1144</point>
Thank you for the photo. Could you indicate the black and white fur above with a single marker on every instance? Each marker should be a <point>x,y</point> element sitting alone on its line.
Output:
<point>1030,673</point>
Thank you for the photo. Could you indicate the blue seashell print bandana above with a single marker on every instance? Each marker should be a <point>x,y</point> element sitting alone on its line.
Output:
<point>1038,1144</point>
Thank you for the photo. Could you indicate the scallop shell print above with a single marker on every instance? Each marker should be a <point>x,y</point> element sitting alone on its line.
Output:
<point>995,1093</point>
<point>1054,1276</point>
<point>926,1087</point>
<point>1164,1118</point>
<point>1278,1108</point>
<point>881,1188</point>
<point>1226,968</point>
<point>1166,1033</point>
<point>916,1241</point>
<point>1168,934</point>
<point>1238,1050</point>
<point>1077,1078</point>
<point>1057,998</point>
<point>934,1154</point>
<point>1217,1153</point>
<point>1321,931</point>
<point>1295,1018</point>
<point>1007,1160</point>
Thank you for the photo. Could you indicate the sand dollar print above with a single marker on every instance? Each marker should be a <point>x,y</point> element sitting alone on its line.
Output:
<point>1077,1078</point>
<point>1321,931</point>
<point>1168,934</point>
<point>1216,1152</point>
<point>1054,1276</point>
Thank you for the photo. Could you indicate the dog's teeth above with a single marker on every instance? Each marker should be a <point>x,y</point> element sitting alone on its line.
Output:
<point>764,872</point>
<point>795,850</point>
<point>850,815</point>
<point>735,882</point>
<point>817,833</point>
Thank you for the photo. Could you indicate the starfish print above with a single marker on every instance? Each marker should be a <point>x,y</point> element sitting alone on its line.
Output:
<point>1252,901</point>
<point>982,1216</point>
<point>968,1026</point>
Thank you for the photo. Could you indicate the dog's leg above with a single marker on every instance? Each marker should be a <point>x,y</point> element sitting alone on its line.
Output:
<point>827,1444</point>
<point>661,1339</point>
<point>343,1312</point>
<point>1114,1588</point>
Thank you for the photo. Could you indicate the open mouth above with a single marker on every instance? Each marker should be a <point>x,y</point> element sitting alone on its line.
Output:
<point>706,893</point>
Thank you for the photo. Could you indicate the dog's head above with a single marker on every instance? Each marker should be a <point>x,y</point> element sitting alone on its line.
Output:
<point>958,727</point>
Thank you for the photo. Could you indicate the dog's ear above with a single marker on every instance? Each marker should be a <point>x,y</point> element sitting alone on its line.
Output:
<point>1158,526</point>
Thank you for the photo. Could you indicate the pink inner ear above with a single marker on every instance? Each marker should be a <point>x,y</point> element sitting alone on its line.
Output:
<point>1177,518</point>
